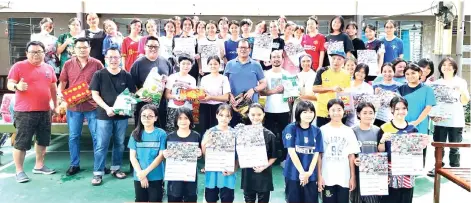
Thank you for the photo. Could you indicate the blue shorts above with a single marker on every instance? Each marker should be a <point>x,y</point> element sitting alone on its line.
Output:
<point>296,193</point>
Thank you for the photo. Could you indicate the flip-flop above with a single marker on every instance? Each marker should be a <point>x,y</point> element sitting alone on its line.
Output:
<point>118,174</point>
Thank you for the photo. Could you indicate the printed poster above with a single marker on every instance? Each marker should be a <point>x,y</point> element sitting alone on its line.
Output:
<point>251,149</point>
<point>347,99</point>
<point>373,174</point>
<point>369,57</point>
<point>290,87</point>
<point>364,97</point>
<point>181,165</point>
<point>262,47</point>
<point>294,51</point>
<point>444,95</point>
<point>220,155</point>
<point>406,153</point>
<point>208,49</point>
<point>384,112</point>
<point>185,46</point>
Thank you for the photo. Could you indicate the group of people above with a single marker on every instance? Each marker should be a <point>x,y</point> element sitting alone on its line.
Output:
<point>314,134</point>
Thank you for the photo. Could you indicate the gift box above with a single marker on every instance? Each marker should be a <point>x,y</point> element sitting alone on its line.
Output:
<point>77,94</point>
<point>195,94</point>
<point>242,106</point>
<point>196,111</point>
<point>62,116</point>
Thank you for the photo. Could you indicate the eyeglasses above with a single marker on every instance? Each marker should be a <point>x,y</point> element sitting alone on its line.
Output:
<point>147,117</point>
<point>243,48</point>
<point>113,57</point>
<point>35,52</point>
<point>82,48</point>
<point>152,47</point>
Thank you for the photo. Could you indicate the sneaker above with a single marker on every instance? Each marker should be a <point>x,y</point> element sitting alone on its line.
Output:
<point>44,170</point>
<point>97,180</point>
<point>431,173</point>
<point>73,170</point>
<point>22,177</point>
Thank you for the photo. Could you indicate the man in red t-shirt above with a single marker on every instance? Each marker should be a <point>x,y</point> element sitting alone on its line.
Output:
<point>313,43</point>
<point>76,71</point>
<point>34,83</point>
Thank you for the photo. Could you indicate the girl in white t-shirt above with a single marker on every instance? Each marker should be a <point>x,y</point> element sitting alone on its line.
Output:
<point>451,127</point>
<point>340,147</point>
<point>175,83</point>
<point>359,86</point>
<point>217,89</point>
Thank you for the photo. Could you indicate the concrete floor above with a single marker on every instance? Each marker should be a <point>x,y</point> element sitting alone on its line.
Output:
<point>61,188</point>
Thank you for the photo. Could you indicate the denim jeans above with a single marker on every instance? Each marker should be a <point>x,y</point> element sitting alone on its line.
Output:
<point>105,130</point>
<point>75,124</point>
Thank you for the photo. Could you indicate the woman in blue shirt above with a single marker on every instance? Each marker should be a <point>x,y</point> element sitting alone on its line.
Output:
<point>420,98</point>
<point>393,45</point>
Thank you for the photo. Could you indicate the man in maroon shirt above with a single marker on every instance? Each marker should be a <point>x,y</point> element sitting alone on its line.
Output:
<point>77,70</point>
<point>34,83</point>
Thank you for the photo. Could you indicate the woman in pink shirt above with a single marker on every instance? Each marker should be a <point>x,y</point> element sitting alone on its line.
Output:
<point>217,89</point>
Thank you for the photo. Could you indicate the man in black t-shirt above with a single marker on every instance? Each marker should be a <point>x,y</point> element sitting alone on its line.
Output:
<point>141,69</point>
<point>106,85</point>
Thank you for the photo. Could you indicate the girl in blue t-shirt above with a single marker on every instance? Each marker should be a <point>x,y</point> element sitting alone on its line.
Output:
<point>146,146</point>
<point>421,99</point>
<point>257,182</point>
<point>219,185</point>
<point>304,143</point>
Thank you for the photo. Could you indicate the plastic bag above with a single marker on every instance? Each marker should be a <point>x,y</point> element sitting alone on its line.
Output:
<point>123,104</point>
<point>153,87</point>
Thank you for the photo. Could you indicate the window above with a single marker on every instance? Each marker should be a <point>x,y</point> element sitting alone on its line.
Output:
<point>19,34</point>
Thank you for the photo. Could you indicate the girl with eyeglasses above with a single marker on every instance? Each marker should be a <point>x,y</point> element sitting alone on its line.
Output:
<point>146,146</point>
<point>394,47</point>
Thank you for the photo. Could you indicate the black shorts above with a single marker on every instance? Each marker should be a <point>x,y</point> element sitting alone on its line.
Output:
<point>32,123</point>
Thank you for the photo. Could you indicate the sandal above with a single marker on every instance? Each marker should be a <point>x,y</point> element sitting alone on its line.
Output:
<point>97,180</point>
<point>118,174</point>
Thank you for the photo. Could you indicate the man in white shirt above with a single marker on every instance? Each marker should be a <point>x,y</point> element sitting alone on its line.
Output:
<point>276,108</point>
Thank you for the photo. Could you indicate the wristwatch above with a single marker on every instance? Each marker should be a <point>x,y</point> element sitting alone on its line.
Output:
<point>14,86</point>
